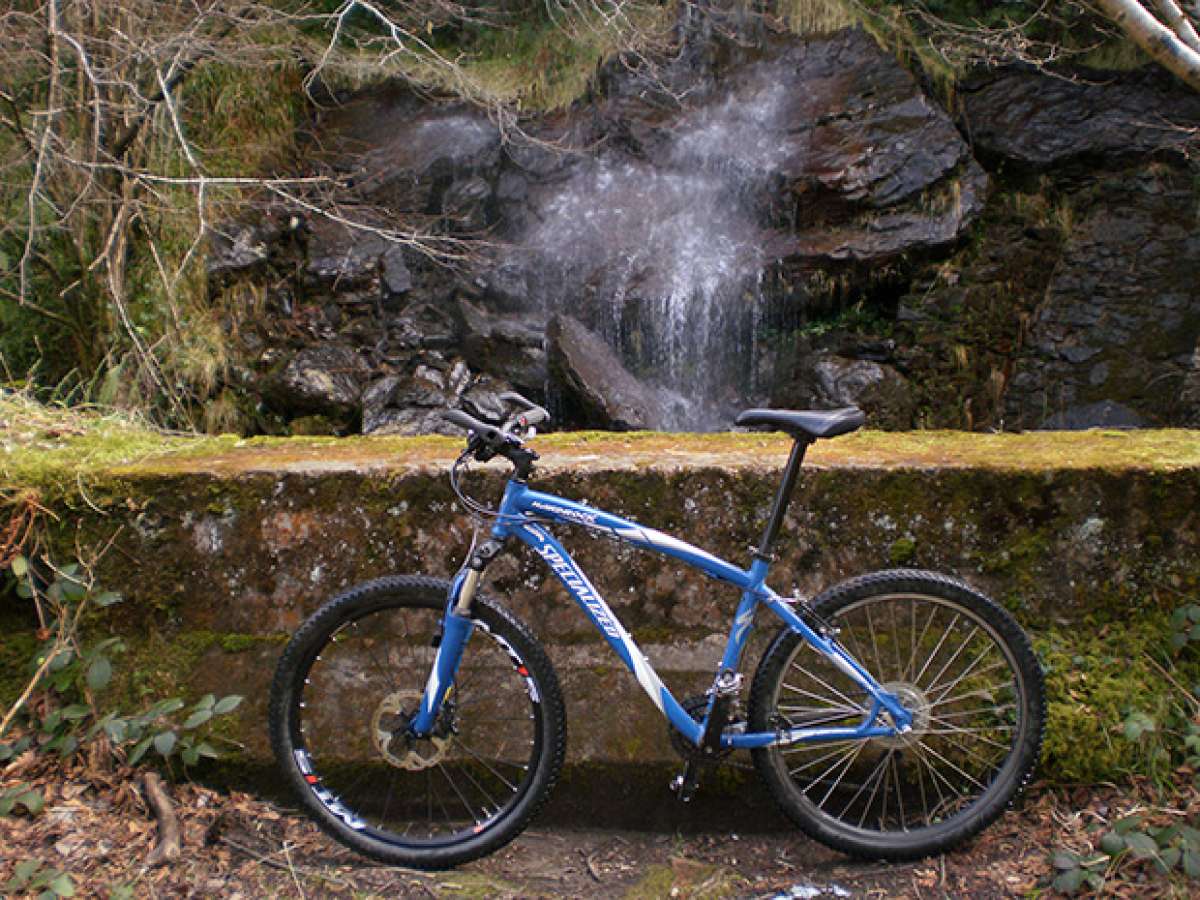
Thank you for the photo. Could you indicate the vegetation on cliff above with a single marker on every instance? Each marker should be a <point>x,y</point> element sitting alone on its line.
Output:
<point>132,130</point>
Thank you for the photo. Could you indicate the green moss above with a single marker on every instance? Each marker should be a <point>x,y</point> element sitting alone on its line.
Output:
<point>239,643</point>
<point>902,551</point>
<point>1096,675</point>
<point>475,884</point>
<point>16,650</point>
<point>656,883</point>
<point>157,665</point>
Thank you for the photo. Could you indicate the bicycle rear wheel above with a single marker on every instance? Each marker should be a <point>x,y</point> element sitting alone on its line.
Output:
<point>965,669</point>
<point>347,685</point>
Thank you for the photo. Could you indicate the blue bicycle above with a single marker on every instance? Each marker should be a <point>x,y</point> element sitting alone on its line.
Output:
<point>422,724</point>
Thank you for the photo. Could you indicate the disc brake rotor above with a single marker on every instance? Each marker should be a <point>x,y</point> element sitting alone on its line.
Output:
<point>914,700</point>
<point>388,724</point>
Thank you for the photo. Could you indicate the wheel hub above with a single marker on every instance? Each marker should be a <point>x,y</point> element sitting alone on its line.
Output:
<point>916,702</point>
<point>389,724</point>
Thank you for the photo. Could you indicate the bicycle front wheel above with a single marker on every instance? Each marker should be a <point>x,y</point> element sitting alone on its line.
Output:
<point>349,682</point>
<point>958,662</point>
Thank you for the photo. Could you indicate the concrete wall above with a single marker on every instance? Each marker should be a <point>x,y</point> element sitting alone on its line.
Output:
<point>221,553</point>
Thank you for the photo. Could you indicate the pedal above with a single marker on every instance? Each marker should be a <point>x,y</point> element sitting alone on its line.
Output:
<point>685,784</point>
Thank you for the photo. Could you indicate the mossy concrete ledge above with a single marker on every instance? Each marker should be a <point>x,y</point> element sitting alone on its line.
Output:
<point>222,547</point>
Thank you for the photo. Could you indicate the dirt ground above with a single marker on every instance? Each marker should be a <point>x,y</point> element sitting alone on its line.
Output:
<point>99,829</point>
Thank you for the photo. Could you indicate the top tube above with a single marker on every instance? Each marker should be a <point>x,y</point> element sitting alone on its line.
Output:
<point>521,502</point>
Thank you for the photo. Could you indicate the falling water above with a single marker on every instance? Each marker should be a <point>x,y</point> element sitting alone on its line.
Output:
<point>665,260</point>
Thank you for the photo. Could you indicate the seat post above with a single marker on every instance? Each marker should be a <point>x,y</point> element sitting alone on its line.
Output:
<point>781,499</point>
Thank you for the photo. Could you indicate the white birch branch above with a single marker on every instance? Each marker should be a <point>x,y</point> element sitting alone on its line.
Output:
<point>1179,23</point>
<point>1163,45</point>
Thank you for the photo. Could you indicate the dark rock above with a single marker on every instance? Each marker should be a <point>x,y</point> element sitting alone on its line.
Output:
<point>595,387</point>
<point>357,265</point>
<point>826,380</point>
<point>237,247</point>
<point>396,277</point>
<point>1120,317</point>
<point>341,257</point>
<point>428,326</point>
<point>413,404</point>
<point>887,235</point>
<point>405,150</point>
<point>466,203</point>
<point>482,400</point>
<point>1040,119</point>
<point>427,387</point>
<point>324,380</point>
<point>1105,414</point>
<point>509,347</point>
<point>415,420</point>
<point>376,400</point>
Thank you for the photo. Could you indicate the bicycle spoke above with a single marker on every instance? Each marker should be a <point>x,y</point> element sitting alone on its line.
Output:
<point>824,720</point>
<point>990,668</point>
<point>899,794</point>
<point>954,656</point>
<point>936,650</point>
<point>924,798</point>
<point>842,774</point>
<point>949,661</point>
<point>454,787</point>
<point>872,779</point>
<point>827,687</point>
<point>485,735</point>
<point>979,710</point>
<point>508,784</point>
<point>874,641</point>
<point>969,778</point>
<point>934,777</point>
<point>814,746</point>
<point>896,640</point>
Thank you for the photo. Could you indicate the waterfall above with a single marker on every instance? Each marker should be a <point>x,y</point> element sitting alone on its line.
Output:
<point>661,251</point>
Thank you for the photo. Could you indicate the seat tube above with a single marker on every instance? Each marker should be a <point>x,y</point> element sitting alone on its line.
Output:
<point>763,553</point>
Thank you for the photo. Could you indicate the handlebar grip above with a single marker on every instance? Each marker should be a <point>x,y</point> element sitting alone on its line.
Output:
<point>489,433</point>
<point>533,413</point>
<point>535,416</point>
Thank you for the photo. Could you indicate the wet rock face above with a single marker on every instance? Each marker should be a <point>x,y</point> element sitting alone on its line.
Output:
<point>656,221</point>
<point>595,387</point>
<point>1114,340</point>
<point>1039,120</point>
<point>322,380</point>
<point>827,380</point>
<point>796,155</point>
<point>711,226</point>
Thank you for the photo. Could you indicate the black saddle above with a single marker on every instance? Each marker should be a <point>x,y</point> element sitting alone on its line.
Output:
<point>806,424</point>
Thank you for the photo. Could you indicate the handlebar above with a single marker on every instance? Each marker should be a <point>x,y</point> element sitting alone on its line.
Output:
<point>488,433</point>
<point>488,440</point>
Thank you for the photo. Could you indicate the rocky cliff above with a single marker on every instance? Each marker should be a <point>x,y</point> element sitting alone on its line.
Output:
<point>788,220</point>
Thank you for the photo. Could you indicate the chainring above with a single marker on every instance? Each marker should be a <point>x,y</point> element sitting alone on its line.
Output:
<point>696,706</point>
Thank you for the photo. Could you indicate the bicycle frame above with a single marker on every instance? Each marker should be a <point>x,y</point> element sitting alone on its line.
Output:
<point>523,513</point>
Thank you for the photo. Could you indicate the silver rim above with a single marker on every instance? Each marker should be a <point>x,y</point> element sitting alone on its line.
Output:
<point>950,668</point>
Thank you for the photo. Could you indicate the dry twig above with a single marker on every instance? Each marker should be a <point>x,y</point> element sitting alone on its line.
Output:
<point>170,839</point>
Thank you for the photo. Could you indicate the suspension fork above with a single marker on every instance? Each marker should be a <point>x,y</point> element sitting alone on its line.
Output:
<point>453,633</point>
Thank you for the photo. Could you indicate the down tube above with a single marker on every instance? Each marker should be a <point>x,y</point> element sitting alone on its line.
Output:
<point>590,601</point>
